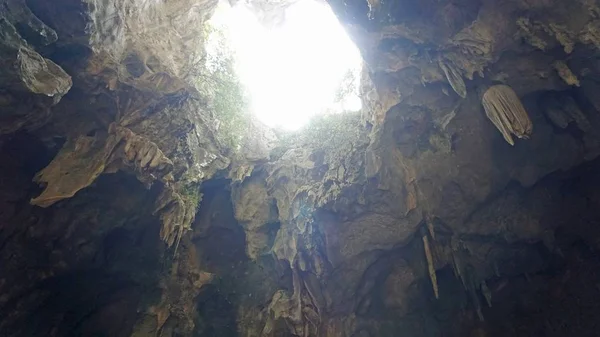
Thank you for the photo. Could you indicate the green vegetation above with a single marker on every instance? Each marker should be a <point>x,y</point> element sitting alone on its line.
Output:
<point>347,86</point>
<point>191,194</point>
<point>335,133</point>
<point>217,80</point>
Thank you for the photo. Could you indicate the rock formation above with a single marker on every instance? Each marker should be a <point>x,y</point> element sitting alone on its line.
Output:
<point>503,107</point>
<point>123,213</point>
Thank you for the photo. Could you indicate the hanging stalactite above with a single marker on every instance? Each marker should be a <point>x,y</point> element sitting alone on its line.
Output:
<point>430,265</point>
<point>503,107</point>
<point>566,74</point>
<point>429,223</point>
<point>454,77</point>
<point>487,293</point>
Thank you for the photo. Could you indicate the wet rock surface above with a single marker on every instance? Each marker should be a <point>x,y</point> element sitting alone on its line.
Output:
<point>462,200</point>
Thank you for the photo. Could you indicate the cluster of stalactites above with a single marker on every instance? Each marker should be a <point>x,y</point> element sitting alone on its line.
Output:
<point>468,275</point>
<point>463,270</point>
<point>503,107</point>
<point>82,160</point>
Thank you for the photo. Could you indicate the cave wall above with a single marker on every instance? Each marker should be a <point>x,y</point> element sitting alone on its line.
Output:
<point>97,111</point>
<point>68,269</point>
<point>122,213</point>
<point>430,163</point>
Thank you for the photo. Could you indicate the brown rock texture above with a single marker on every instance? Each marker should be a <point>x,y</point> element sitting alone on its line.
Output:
<point>122,213</point>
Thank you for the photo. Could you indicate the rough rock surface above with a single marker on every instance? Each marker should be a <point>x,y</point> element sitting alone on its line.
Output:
<point>123,214</point>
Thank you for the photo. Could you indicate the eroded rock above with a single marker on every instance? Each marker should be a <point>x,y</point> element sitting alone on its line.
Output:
<point>403,218</point>
<point>503,107</point>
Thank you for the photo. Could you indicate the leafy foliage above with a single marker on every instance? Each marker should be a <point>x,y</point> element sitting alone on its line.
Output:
<point>217,80</point>
<point>347,86</point>
<point>336,131</point>
<point>335,134</point>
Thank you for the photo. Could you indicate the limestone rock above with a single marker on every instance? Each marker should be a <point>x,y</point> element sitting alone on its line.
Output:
<point>25,71</point>
<point>341,229</point>
<point>566,74</point>
<point>397,286</point>
<point>82,160</point>
<point>454,78</point>
<point>503,107</point>
<point>254,209</point>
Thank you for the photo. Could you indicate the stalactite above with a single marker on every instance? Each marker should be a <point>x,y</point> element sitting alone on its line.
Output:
<point>565,73</point>
<point>431,267</point>
<point>456,260</point>
<point>486,293</point>
<point>455,266</point>
<point>470,281</point>
<point>429,223</point>
<point>454,78</point>
<point>476,302</point>
<point>503,107</point>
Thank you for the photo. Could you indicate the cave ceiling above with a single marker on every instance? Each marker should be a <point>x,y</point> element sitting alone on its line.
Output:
<point>463,189</point>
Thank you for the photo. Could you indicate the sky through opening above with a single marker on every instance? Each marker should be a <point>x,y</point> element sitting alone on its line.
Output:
<point>292,72</point>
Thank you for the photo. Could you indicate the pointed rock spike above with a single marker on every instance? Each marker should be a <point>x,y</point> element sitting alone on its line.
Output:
<point>504,108</point>
<point>454,78</point>
<point>430,266</point>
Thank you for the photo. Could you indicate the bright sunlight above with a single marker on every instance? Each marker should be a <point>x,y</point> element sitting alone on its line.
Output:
<point>296,70</point>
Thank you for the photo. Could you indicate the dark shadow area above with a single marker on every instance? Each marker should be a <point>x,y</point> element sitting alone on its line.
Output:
<point>81,267</point>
